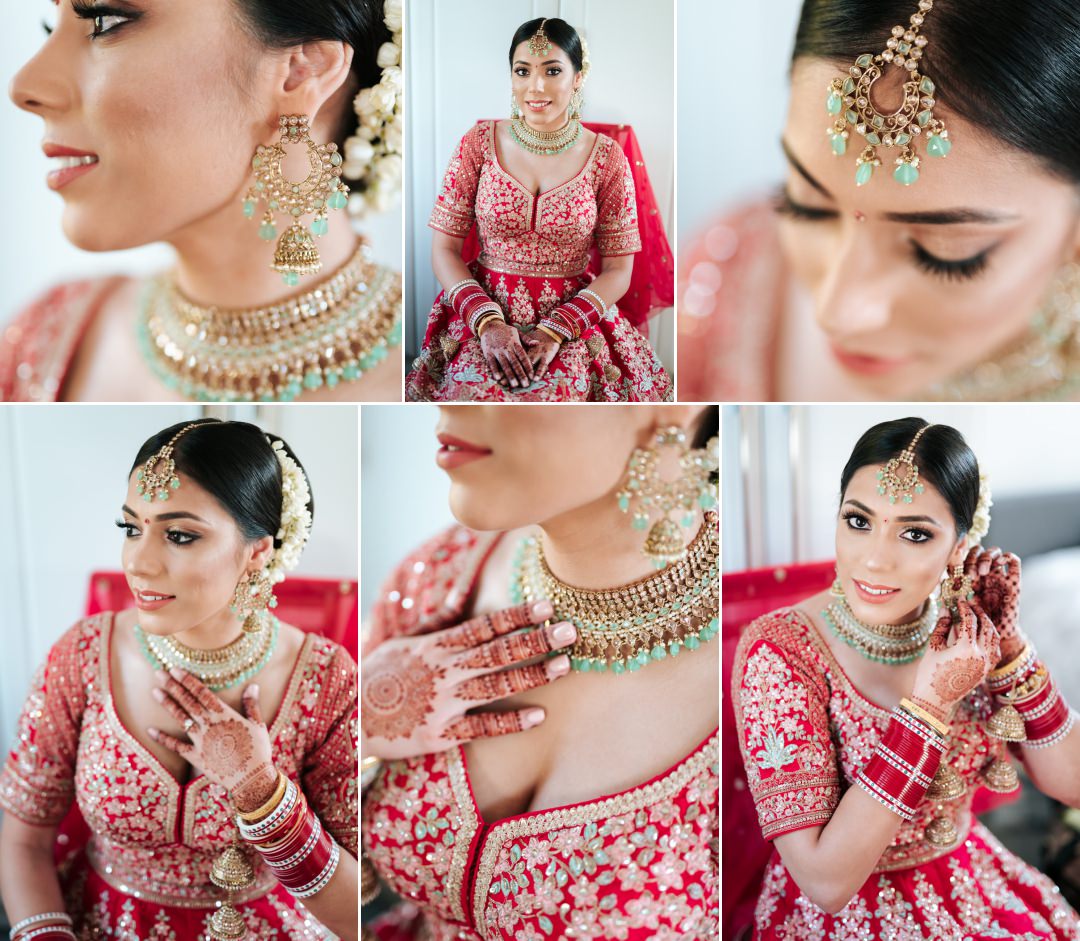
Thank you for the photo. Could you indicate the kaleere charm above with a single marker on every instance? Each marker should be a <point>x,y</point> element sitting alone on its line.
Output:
<point>850,101</point>
<point>320,191</point>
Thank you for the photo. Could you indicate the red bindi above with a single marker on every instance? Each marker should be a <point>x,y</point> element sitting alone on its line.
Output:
<point>859,216</point>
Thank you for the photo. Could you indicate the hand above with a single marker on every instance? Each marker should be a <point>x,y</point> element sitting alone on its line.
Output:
<point>505,356</point>
<point>995,579</point>
<point>959,656</point>
<point>415,691</point>
<point>232,750</point>
<point>541,350</point>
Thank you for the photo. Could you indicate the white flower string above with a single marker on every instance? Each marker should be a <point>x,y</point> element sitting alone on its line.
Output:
<point>373,154</point>
<point>980,522</point>
<point>295,516</point>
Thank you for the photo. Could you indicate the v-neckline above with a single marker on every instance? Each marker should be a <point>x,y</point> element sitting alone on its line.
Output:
<point>528,192</point>
<point>153,762</point>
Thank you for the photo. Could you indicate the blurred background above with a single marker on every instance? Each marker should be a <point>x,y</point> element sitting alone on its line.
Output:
<point>63,477</point>
<point>40,256</point>
<point>457,73</point>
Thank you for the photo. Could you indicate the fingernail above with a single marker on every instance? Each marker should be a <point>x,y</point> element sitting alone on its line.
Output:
<point>560,665</point>
<point>176,673</point>
<point>534,716</point>
<point>253,689</point>
<point>162,676</point>
<point>152,732</point>
<point>564,633</point>
<point>542,609</point>
<point>157,694</point>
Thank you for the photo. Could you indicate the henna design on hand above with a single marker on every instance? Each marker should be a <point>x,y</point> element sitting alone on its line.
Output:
<point>934,709</point>
<point>255,789</point>
<point>483,724</point>
<point>398,695</point>
<point>954,679</point>
<point>500,685</point>
<point>504,651</point>
<point>226,747</point>
<point>479,630</point>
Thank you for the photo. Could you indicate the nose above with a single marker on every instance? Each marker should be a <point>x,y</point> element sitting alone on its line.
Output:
<point>879,558</point>
<point>42,85</point>
<point>142,556</point>
<point>858,290</point>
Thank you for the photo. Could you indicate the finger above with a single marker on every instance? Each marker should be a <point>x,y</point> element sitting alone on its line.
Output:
<point>195,686</point>
<point>171,742</point>
<point>939,638</point>
<point>971,561</point>
<point>523,360</point>
<point>506,651</point>
<point>966,629</point>
<point>490,687</point>
<point>491,724</point>
<point>493,365</point>
<point>485,627</point>
<point>187,702</point>
<point>1012,568</point>
<point>172,707</point>
<point>250,700</point>
<point>986,560</point>
<point>514,368</point>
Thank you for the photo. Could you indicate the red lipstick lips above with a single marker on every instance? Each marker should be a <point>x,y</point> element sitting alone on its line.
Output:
<point>456,452</point>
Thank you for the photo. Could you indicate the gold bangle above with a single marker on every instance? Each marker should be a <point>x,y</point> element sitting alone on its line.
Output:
<point>486,322</point>
<point>551,333</point>
<point>1011,665</point>
<point>266,808</point>
<point>936,724</point>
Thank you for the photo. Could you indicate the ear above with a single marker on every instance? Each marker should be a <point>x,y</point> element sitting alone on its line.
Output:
<point>960,551</point>
<point>578,79</point>
<point>261,550</point>
<point>309,76</point>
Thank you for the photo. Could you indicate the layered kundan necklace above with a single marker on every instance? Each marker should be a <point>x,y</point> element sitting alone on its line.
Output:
<point>219,668</point>
<point>545,143</point>
<point>334,332</point>
<point>884,643</point>
<point>623,629</point>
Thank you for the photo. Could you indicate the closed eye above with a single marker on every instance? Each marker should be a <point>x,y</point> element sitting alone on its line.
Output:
<point>786,206</point>
<point>961,269</point>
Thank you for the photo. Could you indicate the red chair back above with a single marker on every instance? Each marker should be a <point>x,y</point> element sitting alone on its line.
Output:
<point>326,606</point>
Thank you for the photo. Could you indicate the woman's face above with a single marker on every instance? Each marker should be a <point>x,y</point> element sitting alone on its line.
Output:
<point>512,467</point>
<point>183,557</point>
<point>914,284</point>
<point>542,85</point>
<point>891,556</point>
<point>171,98</point>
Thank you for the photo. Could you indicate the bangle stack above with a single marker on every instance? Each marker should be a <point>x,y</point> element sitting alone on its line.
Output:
<point>292,842</point>
<point>1033,711</point>
<point>44,927</point>
<point>573,317</point>
<point>902,767</point>
<point>471,303</point>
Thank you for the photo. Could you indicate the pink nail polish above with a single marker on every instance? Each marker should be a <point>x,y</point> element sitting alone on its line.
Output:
<point>534,716</point>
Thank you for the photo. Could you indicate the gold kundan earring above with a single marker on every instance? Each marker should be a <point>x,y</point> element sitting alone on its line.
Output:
<point>321,191</point>
<point>252,599</point>
<point>653,494</point>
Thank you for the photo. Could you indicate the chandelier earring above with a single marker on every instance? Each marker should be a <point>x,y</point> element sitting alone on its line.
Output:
<point>252,599</point>
<point>321,191</point>
<point>515,111</point>
<point>648,494</point>
<point>577,103</point>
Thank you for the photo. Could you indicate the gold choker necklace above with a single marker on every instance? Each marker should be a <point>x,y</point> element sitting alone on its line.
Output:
<point>623,629</point>
<point>545,143</point>
<point>884,643</point>
<point>219,668</point>
<point>334,332</point>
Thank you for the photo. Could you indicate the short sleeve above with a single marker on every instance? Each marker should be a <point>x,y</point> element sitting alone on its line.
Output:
<point>37,784</point>
<point>453,212</point>
<point>616,206</point>
<point>781,713</point>
<point>329,777</point>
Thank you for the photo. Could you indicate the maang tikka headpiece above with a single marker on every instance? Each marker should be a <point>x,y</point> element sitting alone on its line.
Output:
<point>899,478</point>
<point>850,98</point>
<point>539,44</point>
<point>158,475</point>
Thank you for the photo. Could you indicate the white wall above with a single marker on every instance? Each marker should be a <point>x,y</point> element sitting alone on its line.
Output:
<point>733,93</point>
<point>1024,448</point>
<point>35,255</point>
<point>63,473</point>
<point>404,495</point>
<point>457,73</point>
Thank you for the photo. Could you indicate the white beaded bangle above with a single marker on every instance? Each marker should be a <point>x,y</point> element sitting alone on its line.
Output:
<point>449,297</point>
<point>62,917</point>
<point>253,831</point>
<point>47,929</point>
<point>320,881</point>
<point>599,300</point>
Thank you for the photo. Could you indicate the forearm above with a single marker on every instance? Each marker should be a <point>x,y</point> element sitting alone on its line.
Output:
<point>335,906</point>
<point>613,282</point>
<point>831,863</point>
<point>1056,770</point>
<point>447,264</point>
<point>28,881</point>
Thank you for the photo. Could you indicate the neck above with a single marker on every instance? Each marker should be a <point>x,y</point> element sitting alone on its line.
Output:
<point>221,260</point>
<point>554,123</point>
<point>216,631</point>
<point>594,547</point>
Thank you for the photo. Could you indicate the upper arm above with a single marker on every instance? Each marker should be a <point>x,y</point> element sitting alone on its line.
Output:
<point>445,244</point>
<point>453,212</point>
<point>18,834</point>
<point>616,207</point>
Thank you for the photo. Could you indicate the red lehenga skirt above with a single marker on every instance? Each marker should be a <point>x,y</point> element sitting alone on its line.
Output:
<point>979,891</point>
<point>611,362</point>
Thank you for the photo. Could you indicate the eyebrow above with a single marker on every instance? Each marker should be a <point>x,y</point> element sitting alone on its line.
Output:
<point>931,217</point>
<point>549,62</point>
<point>899,519</point>
<point>165,517</point>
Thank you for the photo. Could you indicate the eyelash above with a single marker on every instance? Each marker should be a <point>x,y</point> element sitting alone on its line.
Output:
<point>961,270</point>
<point>98,13</point>
<point>925,535</point>
<point>177,537</point>
<point>524,73</point>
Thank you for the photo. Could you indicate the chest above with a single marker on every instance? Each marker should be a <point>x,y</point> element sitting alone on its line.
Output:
<point>541,174</point>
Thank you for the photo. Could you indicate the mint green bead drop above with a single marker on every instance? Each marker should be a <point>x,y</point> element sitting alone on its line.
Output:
<point>291,278</point>
<point>313,379</point>
<point>906,174</point>
<point>839,144</point>
<point>267,231</point>
<point>833,103</point>
<point>249,208</point>
<point>938,146</point>
<point>863,174</point>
